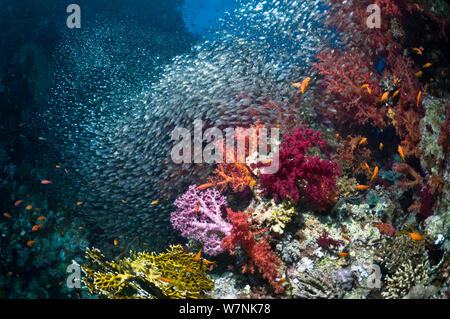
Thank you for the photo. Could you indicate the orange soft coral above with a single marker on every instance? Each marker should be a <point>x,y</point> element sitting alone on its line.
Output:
<point>235,176</point>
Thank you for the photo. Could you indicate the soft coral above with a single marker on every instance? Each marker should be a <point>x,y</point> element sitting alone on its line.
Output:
<point>302,174</point>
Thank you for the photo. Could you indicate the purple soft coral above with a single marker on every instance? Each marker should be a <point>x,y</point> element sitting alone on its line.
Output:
<point>199,217</point>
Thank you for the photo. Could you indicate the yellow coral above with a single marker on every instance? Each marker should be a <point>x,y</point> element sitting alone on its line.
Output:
<point>174,274</point>
<point>277,216</point>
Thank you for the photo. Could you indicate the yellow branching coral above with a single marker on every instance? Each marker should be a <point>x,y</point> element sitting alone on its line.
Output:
<point>173,274</point>
<point>276,216</point>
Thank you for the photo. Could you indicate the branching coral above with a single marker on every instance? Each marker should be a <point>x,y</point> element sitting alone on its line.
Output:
<point>399,250</point>
<point>406,262</point>
<point>275,216</point>
<point>258,252</point>
<point>173,274</point>
<point>199,217</point>
<point>407,276</point>
<point>300,174</point>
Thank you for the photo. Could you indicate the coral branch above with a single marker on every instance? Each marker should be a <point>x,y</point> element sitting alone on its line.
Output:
<point>199,216</point>
<point>258,252</point>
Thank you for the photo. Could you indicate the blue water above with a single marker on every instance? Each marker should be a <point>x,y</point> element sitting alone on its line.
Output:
<point>201,16</point>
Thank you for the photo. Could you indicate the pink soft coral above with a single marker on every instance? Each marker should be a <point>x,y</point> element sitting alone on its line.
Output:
<point>199,217</point>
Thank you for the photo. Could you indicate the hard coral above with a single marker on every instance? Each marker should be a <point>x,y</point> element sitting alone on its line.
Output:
<point>300,174</point>
<point>199,217</point>
<point>258,251</point>
<point>173,274</point>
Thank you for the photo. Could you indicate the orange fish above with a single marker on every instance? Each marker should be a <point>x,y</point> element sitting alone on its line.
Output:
<point>41,218</point>
<point>368,168</point>
<point>366,86</point>
<point>418,74</point>
<point>154,202</point>
<point>384,96</point>
<point>363,140</point>
<point>20,125</point>
<point>400,151</point>
<point>197,208</point>
<point>381,146</point>
<point>297,85</point>
<point>396,93</point>
<point>17,203</point>
<point>282,280</point>
<point>362,187</point>
<point>337,136</point>
<point>123,201</point>
<point>416,237</point>
<point>426,65</point>
<point>115,242</point>
<point>418,51</point>
<point>80,203</point>
<point>65,170</point>
<point>58,166</point>
<point>37,209</point>
<point>375,172</point>
<point>36,227</point>
<point>30,243</point>
<point>395,80</point>
<point>343,254</point>
<point>164,279</point>
<point>29,207</point>
<point>418,98</point>
<point>197,257</point>
<point>305,84</point>
<point>417,5</point>
<point>7,215</point>
<point>209,262</point>
<point>346,237</point>
<point>211,267</point>
<point>45,182</point>
<point>205,186</point>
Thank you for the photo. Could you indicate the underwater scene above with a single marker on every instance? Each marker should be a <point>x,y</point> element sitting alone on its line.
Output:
<point>224,149</point>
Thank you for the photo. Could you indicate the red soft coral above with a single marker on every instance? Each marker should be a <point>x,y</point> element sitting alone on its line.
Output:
<point>351,66</point>
<point>300,174</point>
<point>259,255</point>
